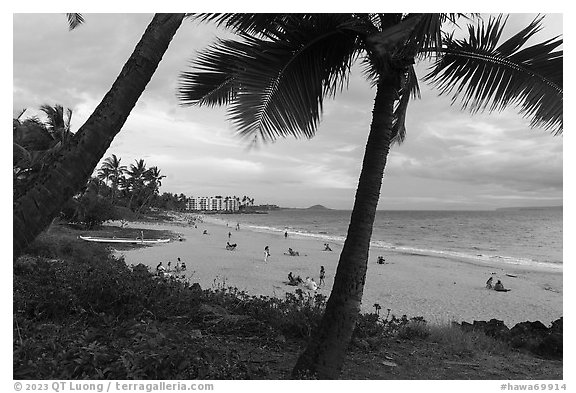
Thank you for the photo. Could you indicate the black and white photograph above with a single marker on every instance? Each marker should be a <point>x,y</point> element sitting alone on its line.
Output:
<point>232,196</point>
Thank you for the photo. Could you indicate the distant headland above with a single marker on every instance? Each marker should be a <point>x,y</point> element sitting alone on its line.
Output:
<point>318,207</point>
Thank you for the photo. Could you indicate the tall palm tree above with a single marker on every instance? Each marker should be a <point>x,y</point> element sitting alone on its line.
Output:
<point>153,180</point>
<point>136,181</point>
<point>112,170</point>
<point>275,77</point>
<point>41,202</point>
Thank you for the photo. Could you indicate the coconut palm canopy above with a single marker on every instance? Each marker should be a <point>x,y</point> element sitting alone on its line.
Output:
<point>275,79</point>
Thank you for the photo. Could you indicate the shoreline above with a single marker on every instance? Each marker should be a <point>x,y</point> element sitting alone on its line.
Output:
<point>441,289</point>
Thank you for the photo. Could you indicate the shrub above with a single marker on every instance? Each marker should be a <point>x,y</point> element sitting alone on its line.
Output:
<point>465,342</point>
<point>415,328</point>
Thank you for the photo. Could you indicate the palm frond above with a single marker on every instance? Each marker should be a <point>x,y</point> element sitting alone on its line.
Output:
<point>427,35</point>
<point>212,81</point>
<point>484,74</point>
<point>276,87</point>
<point>264,24</point>
<point>408,89</point>
<point>74,20</point>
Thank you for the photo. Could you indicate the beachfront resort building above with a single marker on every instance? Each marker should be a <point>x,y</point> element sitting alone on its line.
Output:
<point>215,203</point>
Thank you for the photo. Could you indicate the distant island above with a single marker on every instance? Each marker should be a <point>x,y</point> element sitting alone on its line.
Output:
<point>317,207</point>
<point>530,208</point>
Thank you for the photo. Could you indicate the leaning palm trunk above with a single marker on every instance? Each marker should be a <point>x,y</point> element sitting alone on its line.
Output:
<point>70,170</point>
<point>326,351</point>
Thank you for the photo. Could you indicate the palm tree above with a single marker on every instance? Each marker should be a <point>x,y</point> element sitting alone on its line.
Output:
<point>58,122</point>
<point>41,202</point>
<point>153,180</point>
<point>274,80</point>
<point>112,171</point>
<point>136,181</point>
<point>35,142</point>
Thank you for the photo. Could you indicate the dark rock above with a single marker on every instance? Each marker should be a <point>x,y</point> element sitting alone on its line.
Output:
<point>493,328</point>
<point>537,338</point>
<point>532,336</point>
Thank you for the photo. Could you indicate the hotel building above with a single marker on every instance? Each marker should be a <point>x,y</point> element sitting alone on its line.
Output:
<point>216,203</point>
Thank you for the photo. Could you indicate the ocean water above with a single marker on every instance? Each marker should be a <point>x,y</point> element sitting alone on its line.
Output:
<point>523,236</point>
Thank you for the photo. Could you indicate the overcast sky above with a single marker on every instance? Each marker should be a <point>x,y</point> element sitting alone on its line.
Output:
<point>450,159</point>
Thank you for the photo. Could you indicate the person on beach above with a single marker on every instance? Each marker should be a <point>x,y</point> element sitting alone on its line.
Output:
<point>237,226</point>
<point>381,260</point>
<point>322,275</point>
<point>292,253</point>
<point>229,234</point>
<point>285,234</point>
<point>266,253</point>
<point>230,247</point>
<point>169,263</point>
<point>160,269</point>
<point>500,287</point>
<point>310,284</point>
<point>291,279</point>
<point>489,283</point>
<point>178,266</point>
<point>205,232</point>
<point>327,247</point>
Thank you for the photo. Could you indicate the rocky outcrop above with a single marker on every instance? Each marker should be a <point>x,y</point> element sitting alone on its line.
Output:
<point>532,336</point>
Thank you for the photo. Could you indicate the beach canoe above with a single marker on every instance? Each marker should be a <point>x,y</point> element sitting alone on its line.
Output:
<point>122,240</point>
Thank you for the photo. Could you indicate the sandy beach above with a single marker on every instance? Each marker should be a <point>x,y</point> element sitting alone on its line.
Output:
<point>439,289</point>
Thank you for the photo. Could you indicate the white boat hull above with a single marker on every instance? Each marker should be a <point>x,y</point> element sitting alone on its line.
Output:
<point>122,240</point>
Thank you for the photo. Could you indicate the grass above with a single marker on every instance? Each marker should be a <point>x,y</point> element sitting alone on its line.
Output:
<point>80,313</point>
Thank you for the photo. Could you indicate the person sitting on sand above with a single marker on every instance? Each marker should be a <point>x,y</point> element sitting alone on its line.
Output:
<point>205,232</point>
<point>500,287</point>
<point>292,253</point>
<point>381,260</point>
<point>160,269</point>
<point>230,247</point>
<point>489,283</point>
<point>183,266</point>
<point>310,284</point>
<point>327,247</point>
<point>292,280</point>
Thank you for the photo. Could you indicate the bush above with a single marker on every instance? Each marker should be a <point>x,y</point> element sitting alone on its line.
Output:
<point>296,315</point>
<point>415,328</point>
<point>90,209</point>
<point>466,343</point>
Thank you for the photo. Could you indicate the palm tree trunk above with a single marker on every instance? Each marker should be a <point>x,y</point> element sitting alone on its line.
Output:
<point>38,205</point>
<point>326,350</point>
